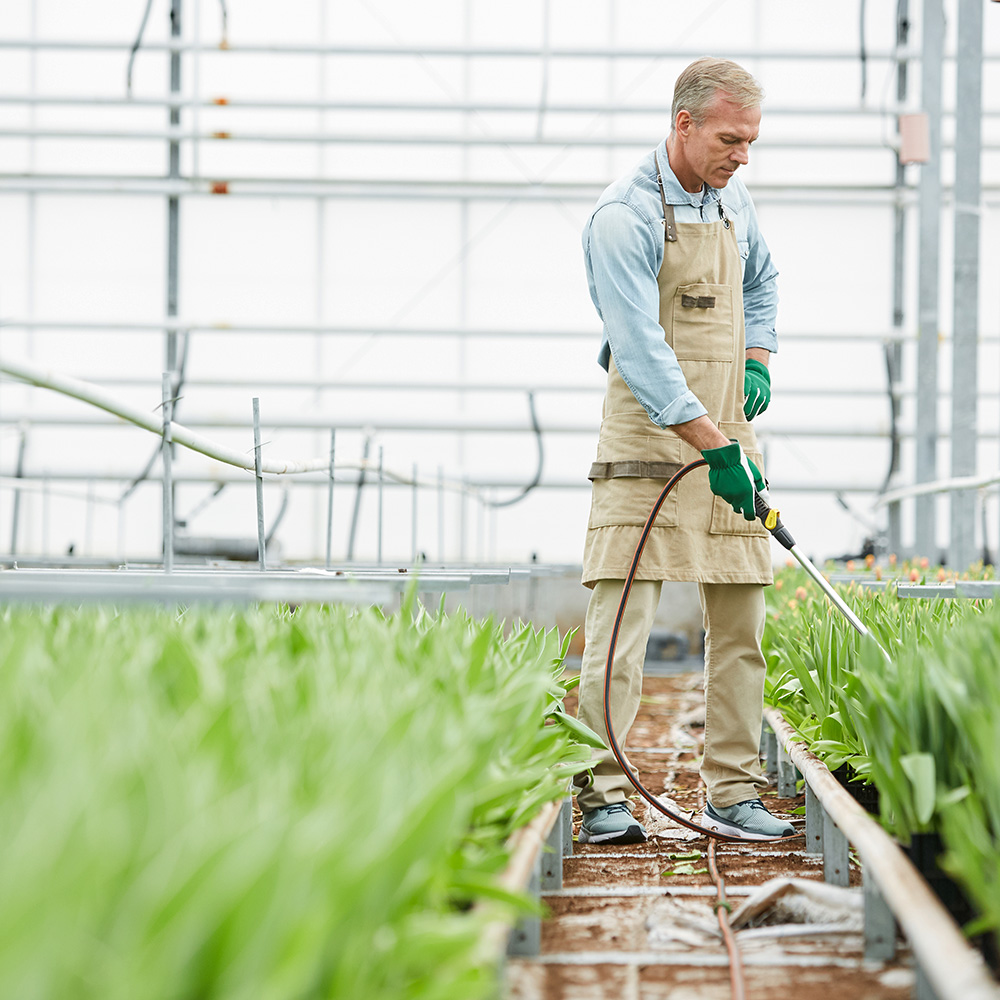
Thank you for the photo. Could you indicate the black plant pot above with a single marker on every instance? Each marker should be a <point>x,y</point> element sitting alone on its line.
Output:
<point>866,795</point>
<point>924,850</point>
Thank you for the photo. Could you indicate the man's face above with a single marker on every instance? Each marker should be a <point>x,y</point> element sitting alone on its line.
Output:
<point>714,150</point>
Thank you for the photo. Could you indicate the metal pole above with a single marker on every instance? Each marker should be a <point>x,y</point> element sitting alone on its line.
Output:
<point>928,278</point>
<point>357,499</point>
<point>965,381</point>
<point>440,515</point>
<point>173,201</point>
<point>413,523</point>
<point>259,480</point>
<point>168,485</point>
<point>894,354</point>
<point>18,474</point>
<point>329,498</point>
<point>381,497</point>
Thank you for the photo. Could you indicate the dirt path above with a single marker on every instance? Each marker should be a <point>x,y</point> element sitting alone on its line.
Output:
<point>637,922</point>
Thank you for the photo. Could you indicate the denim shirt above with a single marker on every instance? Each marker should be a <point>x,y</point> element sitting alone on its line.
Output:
<point>623,248</point>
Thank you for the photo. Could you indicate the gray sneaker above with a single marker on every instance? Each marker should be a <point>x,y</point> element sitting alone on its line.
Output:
<point>611,824</point>
<point>749,820</point>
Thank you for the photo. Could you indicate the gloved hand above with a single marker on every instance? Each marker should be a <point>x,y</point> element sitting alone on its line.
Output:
<point>756,388</point>
<point>732,476</point>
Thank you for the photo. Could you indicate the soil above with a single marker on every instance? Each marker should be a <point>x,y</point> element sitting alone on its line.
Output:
<point>625,926</point>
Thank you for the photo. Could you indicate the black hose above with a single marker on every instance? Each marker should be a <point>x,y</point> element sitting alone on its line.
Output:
<point>612,740</point>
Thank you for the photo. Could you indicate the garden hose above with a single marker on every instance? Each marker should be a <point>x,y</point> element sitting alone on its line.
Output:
<point>770,518</point>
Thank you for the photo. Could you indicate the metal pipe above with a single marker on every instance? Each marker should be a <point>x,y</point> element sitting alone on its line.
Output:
<point>329,498</point>
<point>875,337</point>
<point>18,474</point>
<point>187,436</point>
<point>456,51</point>
<point>341,138</point>
<point>928,277</point>
<point>227,104</point>
<point>173,201</point>
<point>259,484</point>
<point>381,498</point>
<point>479,387</point>
<point>965,358</point>
<point>168,485</point>
<point>813,195</point>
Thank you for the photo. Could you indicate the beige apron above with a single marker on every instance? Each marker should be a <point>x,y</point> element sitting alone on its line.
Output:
<point>697,536</point>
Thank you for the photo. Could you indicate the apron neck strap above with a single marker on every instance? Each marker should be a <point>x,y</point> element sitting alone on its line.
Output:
<point>669,224</point>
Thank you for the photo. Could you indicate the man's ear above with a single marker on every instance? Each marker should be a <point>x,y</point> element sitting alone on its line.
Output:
<point>683,123</point>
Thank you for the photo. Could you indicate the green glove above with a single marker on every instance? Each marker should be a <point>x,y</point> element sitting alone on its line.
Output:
<point>756,388</point>
<point>732,476</point>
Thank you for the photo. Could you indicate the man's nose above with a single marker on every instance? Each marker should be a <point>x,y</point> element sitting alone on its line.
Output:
<point>741,154</point>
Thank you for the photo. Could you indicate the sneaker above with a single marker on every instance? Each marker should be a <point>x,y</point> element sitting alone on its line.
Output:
<point>611,824</point>
<point>749,820</point>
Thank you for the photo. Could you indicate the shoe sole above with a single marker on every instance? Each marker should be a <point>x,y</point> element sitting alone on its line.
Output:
<point>633,835</point>
<point>721,826</point>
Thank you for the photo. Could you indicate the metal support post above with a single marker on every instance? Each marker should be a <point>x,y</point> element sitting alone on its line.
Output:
<point>788,774</point>
<point>815,814</point>
<point>381,500</point>
<point>440,515</point>
<point>413,517</point>
<point>835,853</point>
<point>552,856</point>
<point>173,201</point>
<point>880,924</point>
<point>329,499</point>
<point>566,826</point>
<point>526,937</point>
<point>928,277</point>
<point>18,474</point>
<point>260,485</point>
<point>894,352</point>
<point>965,357</point>
<point>168,483</point>
<point>771,755</point>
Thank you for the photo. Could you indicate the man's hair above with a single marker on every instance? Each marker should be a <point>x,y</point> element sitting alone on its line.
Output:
<point>697,86</point>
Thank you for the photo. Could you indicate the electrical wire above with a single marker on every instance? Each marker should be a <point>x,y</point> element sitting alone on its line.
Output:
<point>135,47</point>
<point>537,478</point>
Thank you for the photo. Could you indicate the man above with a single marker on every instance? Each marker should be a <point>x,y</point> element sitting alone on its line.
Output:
<point>684,284</point>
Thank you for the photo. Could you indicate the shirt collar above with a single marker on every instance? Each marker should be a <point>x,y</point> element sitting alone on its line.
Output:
<point>674,192</point>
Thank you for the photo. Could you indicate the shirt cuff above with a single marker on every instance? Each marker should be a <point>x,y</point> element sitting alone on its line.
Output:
<point>684,408</point>
<point>763,337</point>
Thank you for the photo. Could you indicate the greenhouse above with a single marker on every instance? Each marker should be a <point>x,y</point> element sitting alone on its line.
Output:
<point>499,502</point>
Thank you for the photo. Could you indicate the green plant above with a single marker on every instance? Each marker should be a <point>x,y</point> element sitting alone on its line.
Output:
<point>266,803</point>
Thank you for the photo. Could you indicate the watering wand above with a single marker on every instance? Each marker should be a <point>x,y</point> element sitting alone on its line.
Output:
<point>770,518</point>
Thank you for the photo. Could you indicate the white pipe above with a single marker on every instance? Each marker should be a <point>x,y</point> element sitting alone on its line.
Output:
<point>458,51</point>
<point>94,396</point>
<point>939,486</point>
<point>424,139</point>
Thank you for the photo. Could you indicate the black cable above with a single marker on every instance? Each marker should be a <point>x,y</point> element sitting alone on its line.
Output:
<point>537,478</point>
<point>135,47</point>
<point>890,371</point>
<point>629,579</point>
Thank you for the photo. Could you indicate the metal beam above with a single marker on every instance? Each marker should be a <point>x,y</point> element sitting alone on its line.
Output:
<point>965,357</point>
<point>928,279</point>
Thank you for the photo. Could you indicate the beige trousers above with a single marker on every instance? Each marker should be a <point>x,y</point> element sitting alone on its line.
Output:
<point>734,686</point>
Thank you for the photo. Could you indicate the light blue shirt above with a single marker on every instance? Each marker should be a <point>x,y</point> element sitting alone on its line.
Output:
<point>623,248</point>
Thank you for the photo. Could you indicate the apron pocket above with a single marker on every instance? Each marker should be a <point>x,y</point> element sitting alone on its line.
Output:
<point>628,501</point>
<point>703,327</point>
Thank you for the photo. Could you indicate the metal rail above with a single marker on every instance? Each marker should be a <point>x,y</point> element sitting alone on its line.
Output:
<point>954,970</point>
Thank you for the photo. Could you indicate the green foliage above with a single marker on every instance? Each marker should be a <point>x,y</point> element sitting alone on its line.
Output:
<point>922,726</point>
<point>266,804</point>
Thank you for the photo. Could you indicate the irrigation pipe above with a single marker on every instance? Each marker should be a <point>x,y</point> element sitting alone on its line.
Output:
<point>737,981</point>
<point>938,486</point>
<point>953,969</point>
<point>93,395</point>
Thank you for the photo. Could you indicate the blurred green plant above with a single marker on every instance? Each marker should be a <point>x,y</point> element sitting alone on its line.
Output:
<point>266,803</point>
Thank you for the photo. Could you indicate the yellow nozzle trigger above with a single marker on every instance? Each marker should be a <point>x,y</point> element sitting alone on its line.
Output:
<point>772,519</point>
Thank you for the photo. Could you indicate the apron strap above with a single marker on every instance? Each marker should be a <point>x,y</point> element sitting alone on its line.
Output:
<point>634,470</point>
<point>669,224</point>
